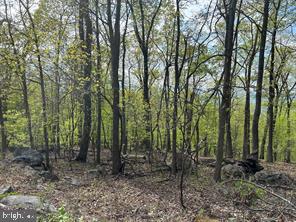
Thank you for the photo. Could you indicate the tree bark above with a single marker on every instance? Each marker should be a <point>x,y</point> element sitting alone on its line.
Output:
<point>99,84</point>
<point>226,93</point>
<point>86,39</point>
<point>257,111</point>
<point>246,143</point>
<point>272,87</point>
<point>2,128</point>
<point>114,38</point>
<point>176,89</point>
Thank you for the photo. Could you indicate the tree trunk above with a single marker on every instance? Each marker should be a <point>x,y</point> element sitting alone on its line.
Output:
<point>23,79</point>
<point>167,110</point>
<point>229,147</point>
<point>272,88</point>
<point>114,39</point>
<point>246,143</point>
<point>176,90</point>
<point>289,140</point>
<point>2,127</point>
<point>257,111</point>
<point>123,118</point>
<point>262,148</point>
<point>87,42</point>
<point>99,84</point>
<point>226,93</point>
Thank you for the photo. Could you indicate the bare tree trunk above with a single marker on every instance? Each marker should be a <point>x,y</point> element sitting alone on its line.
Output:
<point>99,84</point>
<point>42,85</point>
<point>272,88</point>
<point>229,148</point>
<point>23,79</point>
<point>86,38</point>
<point>167,110</point>
<point>114,38</point>
<point>2,128</point>
<point>226,94</point>
<point>246,144</point>
<point>262,148</point>
<point>257,111</point>
<point>123,116</point>
<point>289,140</point>
<point>176,90</point>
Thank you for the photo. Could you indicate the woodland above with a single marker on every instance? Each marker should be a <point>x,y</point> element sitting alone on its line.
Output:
<point>148,110</point>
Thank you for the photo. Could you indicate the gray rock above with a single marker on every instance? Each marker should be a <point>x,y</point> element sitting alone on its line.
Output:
<point>232,171</point>
<point>29,171</point>
<point>6,189</point>
<point>98,171</point>
<point>22,201</point>
<point>27,202</point>
<point>28,156</point>
<point>273,178</point>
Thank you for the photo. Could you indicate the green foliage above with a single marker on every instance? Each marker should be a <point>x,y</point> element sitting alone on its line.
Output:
<point>61,216</point>
<point>7,194</point>
<point>248,193</point>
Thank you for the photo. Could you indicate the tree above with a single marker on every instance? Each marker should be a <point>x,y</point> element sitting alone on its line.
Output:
<point>257,111</point>
<point>85,35</point>
<point>230,9</point>
<point>42,82</point>
<point>114,40</point>
<point>143,33</point>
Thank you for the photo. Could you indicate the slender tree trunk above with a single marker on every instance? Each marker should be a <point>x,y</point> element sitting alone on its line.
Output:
<point>56,125</point>
<point>147,116</point>
<point>123,118</point>
<point>2,127</point>
<point>289,140</point>
<point>23,80</point>
<point>229,147</point>
<point>42,85</point>
<point>167,110</point>
<point>246,143</point>
<point>257,111</point>
<point>99,84</point>
<point>226,93</point>
<point>87,42</point>
<point>114,34</point>
<point>176,90</point>
<point>272,88</point>
<point>27,109</point>
<point>262,148</point>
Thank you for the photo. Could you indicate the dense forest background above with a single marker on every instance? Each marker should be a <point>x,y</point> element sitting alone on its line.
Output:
<point>209,78</point>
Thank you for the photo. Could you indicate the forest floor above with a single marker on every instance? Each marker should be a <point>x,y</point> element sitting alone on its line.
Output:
<point>147,195</point>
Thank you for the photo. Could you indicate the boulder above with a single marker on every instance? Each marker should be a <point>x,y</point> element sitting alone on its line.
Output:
<point>241,168</point>
<point>29,156</point>
<point>273,178</point>
<point>233,171</point>
<point>27,202</point>
<point>98,171</point>
<point>49,176</point>
<point>5,190</point>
